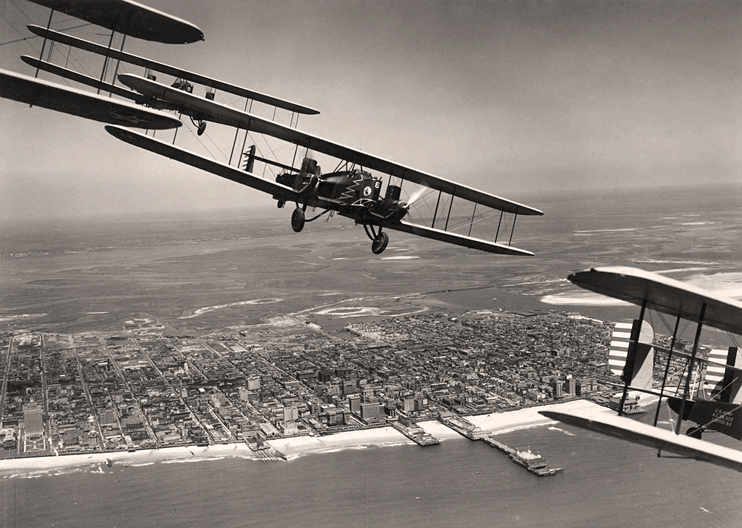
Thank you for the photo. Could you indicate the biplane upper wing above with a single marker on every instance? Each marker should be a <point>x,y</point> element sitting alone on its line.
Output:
<point>602,420</point>
<point>662,294</point>
<point>130,18</point>
<point>38,92</point>
<point>211,111</point>
<point>167,69</point>
<point>275,189</point>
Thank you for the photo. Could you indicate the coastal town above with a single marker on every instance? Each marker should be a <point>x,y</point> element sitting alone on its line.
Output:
<point>142,388</point>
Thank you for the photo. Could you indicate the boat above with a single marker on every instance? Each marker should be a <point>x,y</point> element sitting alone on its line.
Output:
<point>533,463</point>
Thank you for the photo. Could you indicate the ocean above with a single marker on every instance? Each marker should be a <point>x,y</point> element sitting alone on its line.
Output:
<point>72,277</point>
<point>606,483</point>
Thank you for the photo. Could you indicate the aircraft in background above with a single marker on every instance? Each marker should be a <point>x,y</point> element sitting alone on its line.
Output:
<point>713,404</point>
<point>349,190</point>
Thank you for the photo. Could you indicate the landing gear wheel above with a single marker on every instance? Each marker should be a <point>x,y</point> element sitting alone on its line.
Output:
<point>297,220</point>
<point>280,203</point>
<point>379,244</point>
<point>201,128</point>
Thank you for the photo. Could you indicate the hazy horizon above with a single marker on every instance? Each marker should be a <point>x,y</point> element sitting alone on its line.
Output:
<point>506,97</point>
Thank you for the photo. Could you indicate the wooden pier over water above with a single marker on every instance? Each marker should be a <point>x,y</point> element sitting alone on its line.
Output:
<point>532,462</point>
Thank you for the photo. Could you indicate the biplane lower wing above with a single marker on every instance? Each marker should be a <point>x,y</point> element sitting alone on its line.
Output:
<point>456,239</point>
<point>662,294</point>
<point>37,92</point>
<point>81,78</point>
<point>284,193</point>
<point>605,421</point>
<point>207,110</point>
<point>278,191</point>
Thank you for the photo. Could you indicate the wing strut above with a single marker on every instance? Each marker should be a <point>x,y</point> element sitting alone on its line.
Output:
<point>236,134</point>
<point>118,63</point>
<point>105,62</point>
<point>450,206</point>
<point>435,214</point>
<point>512,229</point>
<point>667,370</point>
<point>631,358</point>
<point>43,46</point>
<point>497,233</point>
<point>471,223</point>
<point>690,367</point>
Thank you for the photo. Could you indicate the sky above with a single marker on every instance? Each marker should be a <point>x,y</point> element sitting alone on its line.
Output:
<point>509,97</point>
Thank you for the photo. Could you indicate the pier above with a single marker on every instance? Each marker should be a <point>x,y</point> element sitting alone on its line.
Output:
<point>487,439</point>
<point>417,434</point>
<point>532,462</point>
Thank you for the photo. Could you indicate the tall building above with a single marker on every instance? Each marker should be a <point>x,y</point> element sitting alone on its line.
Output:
<point>371,412</point>
<point>421,402</point>
<point>106,417</point>
<point>349,387</point>
<point>354,402</point>
<point>290,414</point>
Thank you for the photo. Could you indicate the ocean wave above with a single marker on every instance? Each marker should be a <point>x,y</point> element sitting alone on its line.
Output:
<point>591,231</point>
<point>190,460</point>
<point>671,261</point>
<point>683,270</point>
<point>521,427</point>
<point>552,428</point>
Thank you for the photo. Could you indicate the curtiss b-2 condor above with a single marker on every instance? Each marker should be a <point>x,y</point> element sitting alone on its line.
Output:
<point>374,192</point>
<point>711,396</point>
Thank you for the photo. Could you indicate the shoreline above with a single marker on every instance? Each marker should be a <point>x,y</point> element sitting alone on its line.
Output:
<point>292,448</point>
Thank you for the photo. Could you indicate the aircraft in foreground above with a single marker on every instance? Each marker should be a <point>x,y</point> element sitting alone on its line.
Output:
<point>453,211</point>
<point>718,407</point>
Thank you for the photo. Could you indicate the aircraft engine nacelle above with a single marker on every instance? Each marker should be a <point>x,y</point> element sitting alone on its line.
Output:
<point>393,192</point>
<point>309,167</point>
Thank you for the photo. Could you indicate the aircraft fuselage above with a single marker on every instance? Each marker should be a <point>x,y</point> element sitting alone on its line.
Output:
<point>723,417</point>
<point>352,193</point>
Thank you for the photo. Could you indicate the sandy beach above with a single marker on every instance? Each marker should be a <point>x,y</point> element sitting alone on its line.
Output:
<point>291,448</point>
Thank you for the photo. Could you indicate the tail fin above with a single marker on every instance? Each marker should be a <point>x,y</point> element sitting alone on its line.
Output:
<point>632,359</point>
<point>724,383</point>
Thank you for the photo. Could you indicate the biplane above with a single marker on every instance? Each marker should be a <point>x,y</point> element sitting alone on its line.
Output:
<point>375,193</point>
<point>708,387</point>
